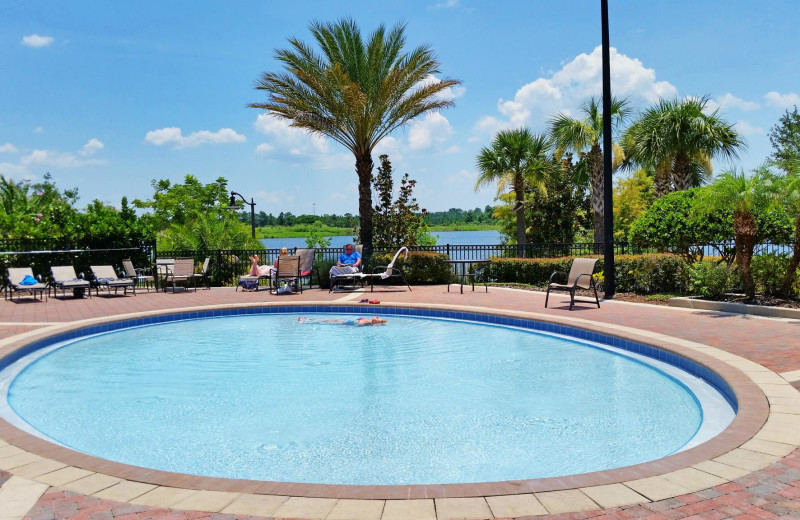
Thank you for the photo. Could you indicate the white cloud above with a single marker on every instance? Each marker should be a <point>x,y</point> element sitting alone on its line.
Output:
<point>91,147</point>
<point>453,149</point>
<point>297,146</point>
<point>433,130</point>
<point>292,140</point>
<point>566,89</point>
<point>56,159</point>
<point>776,99</point>
<point>745,128</point>
<point>446,4</point>
<point>274,198</point>
<point>731,101</point>
<point>35,41</point>
<point>389,146</point>
<point>8,148</point>
<point>174,136</point>
<point>38,129</point>
<point>32,164</point>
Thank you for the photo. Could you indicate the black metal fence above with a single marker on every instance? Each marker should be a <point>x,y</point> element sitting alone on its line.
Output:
<point>227,265</point>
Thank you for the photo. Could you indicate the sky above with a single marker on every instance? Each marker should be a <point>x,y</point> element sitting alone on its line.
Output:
<point>109,96</point>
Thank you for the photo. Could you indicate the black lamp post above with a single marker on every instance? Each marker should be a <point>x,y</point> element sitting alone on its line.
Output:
<point>234,206</point>
<point>609,280</point>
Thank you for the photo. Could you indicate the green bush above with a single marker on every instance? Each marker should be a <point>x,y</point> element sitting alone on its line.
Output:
<point>634,273</point>
<point>768,272</point>
<point>710,279</point>
<point>324,272</point>
<point>420,267</point>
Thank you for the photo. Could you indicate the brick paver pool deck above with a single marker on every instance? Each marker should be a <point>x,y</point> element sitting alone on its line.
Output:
<point>760,479</point>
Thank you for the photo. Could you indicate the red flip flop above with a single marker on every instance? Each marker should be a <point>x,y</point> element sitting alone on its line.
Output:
<point>374,301</point>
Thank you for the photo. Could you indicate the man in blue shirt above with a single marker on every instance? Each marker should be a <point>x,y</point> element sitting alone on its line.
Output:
<point>349,262</point>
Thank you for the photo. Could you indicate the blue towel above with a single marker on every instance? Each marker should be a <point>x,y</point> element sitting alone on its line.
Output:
<point>28,280</point>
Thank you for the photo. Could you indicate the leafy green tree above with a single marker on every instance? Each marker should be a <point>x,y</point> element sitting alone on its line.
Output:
<point>785,139</point>
<point>400,222</point>
<point>560,213</point>
<point>678,139</point>
<point>355,92</point>
<point>194,216</point>
<point>583,136</point>
<point>517,159</point>
<point>742,193</point>
<point>38,210</point>
<point>315,238</point>
<point>789,190</point>
<point>632,196</point>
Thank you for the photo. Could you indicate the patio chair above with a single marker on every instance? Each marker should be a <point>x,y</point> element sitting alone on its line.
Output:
<point>64,278</point>
<point>15,276</point>
<point>337,280</point>
<point>137,274</point>
<point>163,266</point>
<point>181,271</point>
<point>307,266</point>
<point>580,277</point>
<point>203,274</point>
<point>104,276</point>
<point>288,271</point>
<point>384,272</point>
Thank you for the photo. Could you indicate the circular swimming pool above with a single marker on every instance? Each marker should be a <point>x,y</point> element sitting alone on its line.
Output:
<point>417,400</point>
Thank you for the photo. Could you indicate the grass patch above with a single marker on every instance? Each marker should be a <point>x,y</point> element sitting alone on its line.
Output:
<point>300,231</point>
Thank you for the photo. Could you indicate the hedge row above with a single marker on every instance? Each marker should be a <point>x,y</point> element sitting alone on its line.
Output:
<point>659,273</point>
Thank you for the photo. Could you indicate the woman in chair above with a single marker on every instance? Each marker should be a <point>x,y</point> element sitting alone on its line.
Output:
<point>265,270</point>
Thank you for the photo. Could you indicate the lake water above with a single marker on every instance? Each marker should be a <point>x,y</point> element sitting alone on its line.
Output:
<point>490,237</point>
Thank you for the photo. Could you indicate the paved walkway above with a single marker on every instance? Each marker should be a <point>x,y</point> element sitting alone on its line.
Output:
<point>762,482</point>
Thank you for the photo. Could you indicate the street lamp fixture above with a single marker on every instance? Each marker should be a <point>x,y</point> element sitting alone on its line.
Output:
<point>235,207</point>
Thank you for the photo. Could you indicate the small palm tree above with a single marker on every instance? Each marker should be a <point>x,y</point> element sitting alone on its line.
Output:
<point>355,92</point>
<point>679,139</point>
<point>517,159</point>
<point>734,189</point>
<point>583,136</point>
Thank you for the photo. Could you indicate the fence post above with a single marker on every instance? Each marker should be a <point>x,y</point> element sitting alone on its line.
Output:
<point>448,250</point>
<point>218,270</point>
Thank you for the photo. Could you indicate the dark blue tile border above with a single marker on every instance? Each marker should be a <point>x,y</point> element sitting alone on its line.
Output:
<point>709,376</point>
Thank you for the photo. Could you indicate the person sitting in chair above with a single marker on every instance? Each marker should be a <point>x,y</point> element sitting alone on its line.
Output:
<point>265,270</point>
<point>348,262</point>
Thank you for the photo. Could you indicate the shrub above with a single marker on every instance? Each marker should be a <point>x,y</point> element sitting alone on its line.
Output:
<point>768,272</point>
<point>420,267</point>
<point>634,273</point>
<point>710,279</point>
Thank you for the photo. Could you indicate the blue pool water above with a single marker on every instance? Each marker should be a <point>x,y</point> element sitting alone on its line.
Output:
<point>413,401</point>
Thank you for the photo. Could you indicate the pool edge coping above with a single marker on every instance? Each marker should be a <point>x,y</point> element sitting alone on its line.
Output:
<point>750,421</point>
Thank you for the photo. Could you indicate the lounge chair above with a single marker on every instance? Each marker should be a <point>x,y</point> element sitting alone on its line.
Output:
<point>580,277</point>
<point>65,279</point>
<point>104,276</point>
<point>288,271</point>
<point>181,271</point>
<point>339,279</point>
<point>307,267</point>
<point>203,274</point>
<point>384,272</point>
<point>138,274</point>
<point>15,276</point>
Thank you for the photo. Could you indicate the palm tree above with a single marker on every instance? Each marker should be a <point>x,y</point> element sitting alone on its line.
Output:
<point>355,92</point>
<point>517,159</point>
<point>679,139</point>
<point>583,136</point>
<point>734,189</point>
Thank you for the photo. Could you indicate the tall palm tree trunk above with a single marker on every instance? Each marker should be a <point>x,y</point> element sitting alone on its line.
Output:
<point>744,232</point>
<point>519,191</point>
<point>594,161</point>
<point>662,182</point>
<point>786,285</point>
<point>364,171</point>
<point>682,172</point>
